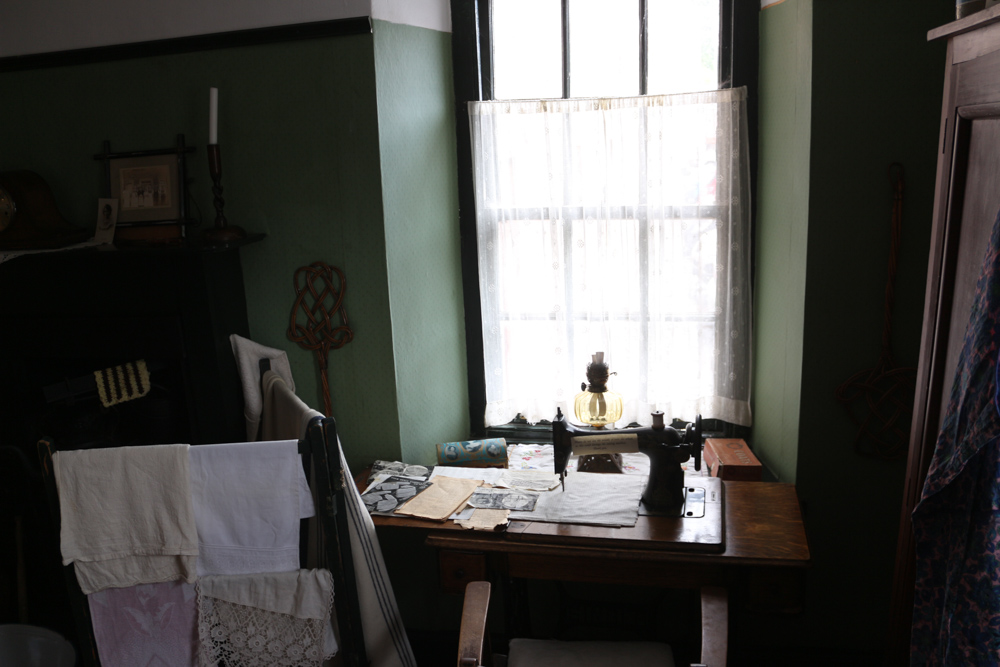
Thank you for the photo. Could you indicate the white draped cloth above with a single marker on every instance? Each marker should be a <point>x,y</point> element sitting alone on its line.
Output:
<point>386,641</point>
<point>616,225</point>
<point>248,355</point>
<point>126,515</point>
<point>248,500</point>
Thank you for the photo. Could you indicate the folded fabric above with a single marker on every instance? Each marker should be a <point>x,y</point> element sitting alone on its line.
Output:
<point>248,355</point>
<point>248,499</point>
<point>126,515</point>
<point>266,619</point>
<point>150,624</point>
<point>386,642</point>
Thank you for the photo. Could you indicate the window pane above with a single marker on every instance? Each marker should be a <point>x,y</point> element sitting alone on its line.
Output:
<point>527,49</point>
<point>683,46</point>
<point>604,48</point>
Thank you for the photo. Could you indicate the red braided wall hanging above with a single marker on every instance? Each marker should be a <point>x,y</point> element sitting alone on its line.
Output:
<point>319,300</point>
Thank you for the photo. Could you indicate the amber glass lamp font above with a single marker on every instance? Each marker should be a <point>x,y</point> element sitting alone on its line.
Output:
<point>596,405</point>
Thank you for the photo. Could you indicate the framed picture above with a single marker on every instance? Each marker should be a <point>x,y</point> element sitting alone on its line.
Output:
<point>149,185</point>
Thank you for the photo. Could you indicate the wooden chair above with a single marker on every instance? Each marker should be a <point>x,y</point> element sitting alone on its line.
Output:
<point>474,651</point>
<point>320,452</point>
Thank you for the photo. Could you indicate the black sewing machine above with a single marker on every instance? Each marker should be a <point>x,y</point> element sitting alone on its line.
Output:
<point>667,448</point>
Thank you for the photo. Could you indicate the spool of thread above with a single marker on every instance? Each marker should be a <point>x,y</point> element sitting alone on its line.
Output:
<point>488,453</point>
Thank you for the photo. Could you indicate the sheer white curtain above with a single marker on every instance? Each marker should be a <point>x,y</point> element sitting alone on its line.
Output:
<point>618,225</point>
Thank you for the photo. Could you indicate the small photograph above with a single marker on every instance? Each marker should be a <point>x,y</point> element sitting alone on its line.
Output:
<point>504,499</point>
<point>383,468</point>
<point>107,217</point>
<point>386,496</point>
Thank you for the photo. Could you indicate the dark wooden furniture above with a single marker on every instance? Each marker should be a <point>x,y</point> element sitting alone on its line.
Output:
<point>966,201</point>
<point>765,541</point>
<point>764,560</point>
<point>66,314</point>
<point>764,531</point>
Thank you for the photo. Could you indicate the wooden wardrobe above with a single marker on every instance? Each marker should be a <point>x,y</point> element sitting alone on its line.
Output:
<point>966,202</point>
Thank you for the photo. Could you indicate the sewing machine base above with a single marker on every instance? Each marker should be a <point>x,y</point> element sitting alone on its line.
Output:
<point>693,507</point>
<point>702,532</point>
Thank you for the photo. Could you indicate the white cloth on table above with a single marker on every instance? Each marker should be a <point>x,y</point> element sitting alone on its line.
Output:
<point>386,642</point>
<point>590,498</point>
<point>248,355</point>
<point>248,499</point>
<point>126,515</point>
<point>266,619</point>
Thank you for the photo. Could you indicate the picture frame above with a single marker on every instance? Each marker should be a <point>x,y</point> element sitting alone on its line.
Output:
<point>150,185</point>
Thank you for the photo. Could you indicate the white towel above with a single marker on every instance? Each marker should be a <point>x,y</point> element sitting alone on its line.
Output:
<point>126,515</point>
<point>266,619</point>
<point>248,499</point>
<point>386,642</point>
<point>248,355</point>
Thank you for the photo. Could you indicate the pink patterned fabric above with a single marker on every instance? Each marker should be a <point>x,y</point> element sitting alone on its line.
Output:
<point>150,625</point>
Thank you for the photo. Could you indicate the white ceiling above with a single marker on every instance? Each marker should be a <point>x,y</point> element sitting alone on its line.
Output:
<point>43,26</point>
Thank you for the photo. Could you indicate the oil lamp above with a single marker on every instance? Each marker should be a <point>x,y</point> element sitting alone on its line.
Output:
<point>595,405</point>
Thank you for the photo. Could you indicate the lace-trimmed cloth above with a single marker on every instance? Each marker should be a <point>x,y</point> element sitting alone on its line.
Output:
<point>263,620</point>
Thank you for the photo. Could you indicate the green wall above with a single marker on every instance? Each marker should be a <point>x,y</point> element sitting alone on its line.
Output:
<point>416,125</point>
<point>874,86</point>
<point>782,228</point>
<point>320,155</point>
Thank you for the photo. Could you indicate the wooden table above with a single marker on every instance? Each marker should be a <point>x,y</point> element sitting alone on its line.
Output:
<point>765,553</point>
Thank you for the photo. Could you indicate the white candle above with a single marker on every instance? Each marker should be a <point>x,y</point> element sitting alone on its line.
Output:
<point>213,115</point>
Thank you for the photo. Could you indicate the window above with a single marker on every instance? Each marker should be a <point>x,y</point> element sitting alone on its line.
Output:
<point>611,209</point>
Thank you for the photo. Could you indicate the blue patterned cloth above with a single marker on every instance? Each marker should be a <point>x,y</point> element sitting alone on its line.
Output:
<point>956,611</point>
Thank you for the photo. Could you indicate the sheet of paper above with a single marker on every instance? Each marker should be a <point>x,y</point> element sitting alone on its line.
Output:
<point>590,498</point>
<point>488,475</point>
<point>528,480</point>
<point>485,520</point>
<point>441,499</point>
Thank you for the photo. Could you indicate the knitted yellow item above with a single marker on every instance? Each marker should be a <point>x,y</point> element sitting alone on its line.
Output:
<point>122,383</point>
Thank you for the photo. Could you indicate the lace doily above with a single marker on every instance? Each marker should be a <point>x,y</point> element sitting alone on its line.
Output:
<point>235,634</point>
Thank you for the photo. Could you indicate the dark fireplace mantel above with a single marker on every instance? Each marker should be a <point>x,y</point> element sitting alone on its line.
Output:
<point>65,315</point>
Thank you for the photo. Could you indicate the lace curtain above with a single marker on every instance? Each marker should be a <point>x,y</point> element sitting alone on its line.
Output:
<point>618,225</point>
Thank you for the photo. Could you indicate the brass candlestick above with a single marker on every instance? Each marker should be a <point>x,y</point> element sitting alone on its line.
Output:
<point>222,232</point>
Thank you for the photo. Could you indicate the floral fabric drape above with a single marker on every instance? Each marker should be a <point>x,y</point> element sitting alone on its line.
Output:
<point>956,525</point>
<point>617,225</point>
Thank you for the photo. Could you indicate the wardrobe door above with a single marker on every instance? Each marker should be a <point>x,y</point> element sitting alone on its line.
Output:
<point>967,201</point>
